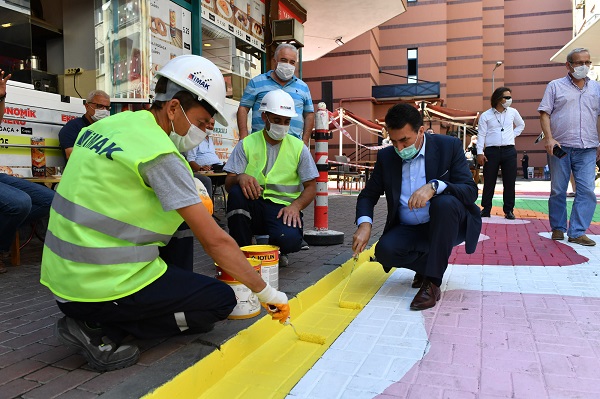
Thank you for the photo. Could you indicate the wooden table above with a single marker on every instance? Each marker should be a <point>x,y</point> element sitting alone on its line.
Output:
<point>49,181</point>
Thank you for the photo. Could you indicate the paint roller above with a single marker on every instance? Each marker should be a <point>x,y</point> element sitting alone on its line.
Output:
<point>348,304</point>
<point>307,337</point>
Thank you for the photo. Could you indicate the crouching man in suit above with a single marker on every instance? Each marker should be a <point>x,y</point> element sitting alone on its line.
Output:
<point>430,196</point>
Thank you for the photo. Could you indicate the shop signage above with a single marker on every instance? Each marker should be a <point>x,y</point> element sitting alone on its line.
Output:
<point>170,32</point>
<point>244,19</point>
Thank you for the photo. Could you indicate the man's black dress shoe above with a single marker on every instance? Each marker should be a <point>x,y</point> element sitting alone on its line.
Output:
<point>485,213</point>
<point>509,215</point>
<point>427,296</point>
<point>418,280</point>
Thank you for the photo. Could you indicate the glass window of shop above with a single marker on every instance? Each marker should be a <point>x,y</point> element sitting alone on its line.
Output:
<point>227,52</point>
<point>134,39</point>
<point>15,42</point>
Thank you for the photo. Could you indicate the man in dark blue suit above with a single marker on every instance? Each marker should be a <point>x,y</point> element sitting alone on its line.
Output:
<point>430,196</point>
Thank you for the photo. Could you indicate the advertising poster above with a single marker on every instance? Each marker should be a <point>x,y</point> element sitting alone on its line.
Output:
<point>244,19</point>
<point>170,32</point>
<point>225,138</point>
<point>27,126</point>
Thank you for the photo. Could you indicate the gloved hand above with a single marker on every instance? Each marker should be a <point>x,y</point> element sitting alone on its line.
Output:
<point>276,303</point>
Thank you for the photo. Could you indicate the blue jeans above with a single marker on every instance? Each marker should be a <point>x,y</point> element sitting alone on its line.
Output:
<point>21,201</point>
<point>582,162</point>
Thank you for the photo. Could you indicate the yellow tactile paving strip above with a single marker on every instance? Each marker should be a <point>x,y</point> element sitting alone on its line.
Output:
<point>267,359</point>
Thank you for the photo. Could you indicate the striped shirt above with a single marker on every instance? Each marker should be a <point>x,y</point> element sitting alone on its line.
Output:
<point>259,86</point>
<point>573,112</point>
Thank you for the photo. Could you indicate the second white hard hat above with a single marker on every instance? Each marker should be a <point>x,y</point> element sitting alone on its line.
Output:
<point>200,77</point>
<point>278,102</point>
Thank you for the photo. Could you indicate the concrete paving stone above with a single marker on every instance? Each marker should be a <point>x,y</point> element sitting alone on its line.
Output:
<point>55,354</point>
<point>16,388</point>
<point>366,384</point>
<point>71,362</point>
<point>494,382</point>
<point>15,356</point>
<point>61,384</point>
<point>45,374</point>
<point>105,381</point>
<point>24,340</point>
<point>30,326</point>
<point>565,349</point>
<point>76,394</point>
<point>158,352</point>
<point>305,385</point>
<point>18,370</point>
<point>329,386</point>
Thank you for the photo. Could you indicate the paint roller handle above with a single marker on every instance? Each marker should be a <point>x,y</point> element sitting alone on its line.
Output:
<point>269,297</point>
<point>280,312</point>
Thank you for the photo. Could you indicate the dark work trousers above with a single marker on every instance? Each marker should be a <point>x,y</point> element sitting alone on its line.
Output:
<point>179,252</point>
<point>504,158</point>
<point>178,301</point>
<point>246,218</point>
<point>425,248</point>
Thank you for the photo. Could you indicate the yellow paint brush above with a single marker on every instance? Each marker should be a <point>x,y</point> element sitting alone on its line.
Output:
<point>348,304</point>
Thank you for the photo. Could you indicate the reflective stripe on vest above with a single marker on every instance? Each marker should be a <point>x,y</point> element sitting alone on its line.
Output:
<point>291,189</point>
<point>100,256</point>
<point>104,224</point>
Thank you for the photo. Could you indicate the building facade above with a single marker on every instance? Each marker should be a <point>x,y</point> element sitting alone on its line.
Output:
<point>457,44</point>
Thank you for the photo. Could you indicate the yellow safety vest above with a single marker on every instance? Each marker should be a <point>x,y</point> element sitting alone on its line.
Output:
<point>282,184</point>
<point>106,224</point>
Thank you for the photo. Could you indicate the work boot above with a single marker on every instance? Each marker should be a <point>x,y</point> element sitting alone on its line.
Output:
<point>101,353</point>
<point>284,260</point>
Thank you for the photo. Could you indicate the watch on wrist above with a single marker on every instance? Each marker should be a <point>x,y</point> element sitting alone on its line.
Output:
<point>434,185</point>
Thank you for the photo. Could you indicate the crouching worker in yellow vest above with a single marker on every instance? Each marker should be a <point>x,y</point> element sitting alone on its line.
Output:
<point>271,178</point>
<point>125,192</point>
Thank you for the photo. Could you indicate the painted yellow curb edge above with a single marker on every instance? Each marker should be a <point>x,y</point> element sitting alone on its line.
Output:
<point>266,360</point>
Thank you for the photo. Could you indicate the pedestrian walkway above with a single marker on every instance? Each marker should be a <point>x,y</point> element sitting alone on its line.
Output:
<point>518,318</point>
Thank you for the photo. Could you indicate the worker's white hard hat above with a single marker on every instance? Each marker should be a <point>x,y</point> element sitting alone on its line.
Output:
<point>198,76</point>
<point>278,102</point>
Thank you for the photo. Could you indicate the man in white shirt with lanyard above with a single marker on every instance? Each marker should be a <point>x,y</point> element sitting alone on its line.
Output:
<point>498,127</point>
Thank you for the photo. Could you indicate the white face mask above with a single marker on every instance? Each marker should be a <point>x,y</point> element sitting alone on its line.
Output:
<point>100,114</point>
<point>580,72</point>
<point>507,103</point>
<point>192,138</point>
<point>285,71</point>
<point>277,132</point>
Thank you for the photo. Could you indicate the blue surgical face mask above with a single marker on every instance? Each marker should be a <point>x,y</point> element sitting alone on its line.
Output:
<point>408,152</point>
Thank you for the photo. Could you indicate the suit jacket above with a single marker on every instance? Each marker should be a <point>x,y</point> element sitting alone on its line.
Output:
<point>445,161</point>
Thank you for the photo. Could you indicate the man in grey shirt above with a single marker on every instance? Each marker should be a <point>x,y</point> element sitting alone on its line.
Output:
<point>271,179</point>
<point>569,114</point>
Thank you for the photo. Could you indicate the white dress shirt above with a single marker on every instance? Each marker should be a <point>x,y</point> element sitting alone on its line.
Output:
<point>497,129</point>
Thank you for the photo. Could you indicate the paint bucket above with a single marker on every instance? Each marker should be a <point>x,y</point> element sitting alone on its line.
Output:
<point>248,304</point>
<point>269,256</point>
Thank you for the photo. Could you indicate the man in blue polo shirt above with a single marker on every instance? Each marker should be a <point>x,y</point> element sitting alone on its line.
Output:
<point>282,77</point>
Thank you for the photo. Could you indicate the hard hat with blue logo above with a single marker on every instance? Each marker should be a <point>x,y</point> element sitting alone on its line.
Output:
<point>198,76</point>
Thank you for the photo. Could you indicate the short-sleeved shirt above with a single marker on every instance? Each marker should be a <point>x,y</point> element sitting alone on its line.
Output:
<point>204,153</point>
<point>69,132</point>
<point>573,112</point>
<point>307,170</point>
<point>260,85</point>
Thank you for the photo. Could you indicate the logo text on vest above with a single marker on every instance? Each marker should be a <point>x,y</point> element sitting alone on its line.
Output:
<point>98,143</point>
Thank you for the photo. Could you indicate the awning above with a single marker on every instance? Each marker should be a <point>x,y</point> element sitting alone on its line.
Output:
<point>587,38</point>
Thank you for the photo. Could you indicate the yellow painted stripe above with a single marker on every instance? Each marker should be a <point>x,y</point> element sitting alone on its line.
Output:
<point>267,359</point>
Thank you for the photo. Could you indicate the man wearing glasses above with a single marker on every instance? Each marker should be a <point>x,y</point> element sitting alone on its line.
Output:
<point>569,115</point>
<point>97,106</point>
<point>497,129</point>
